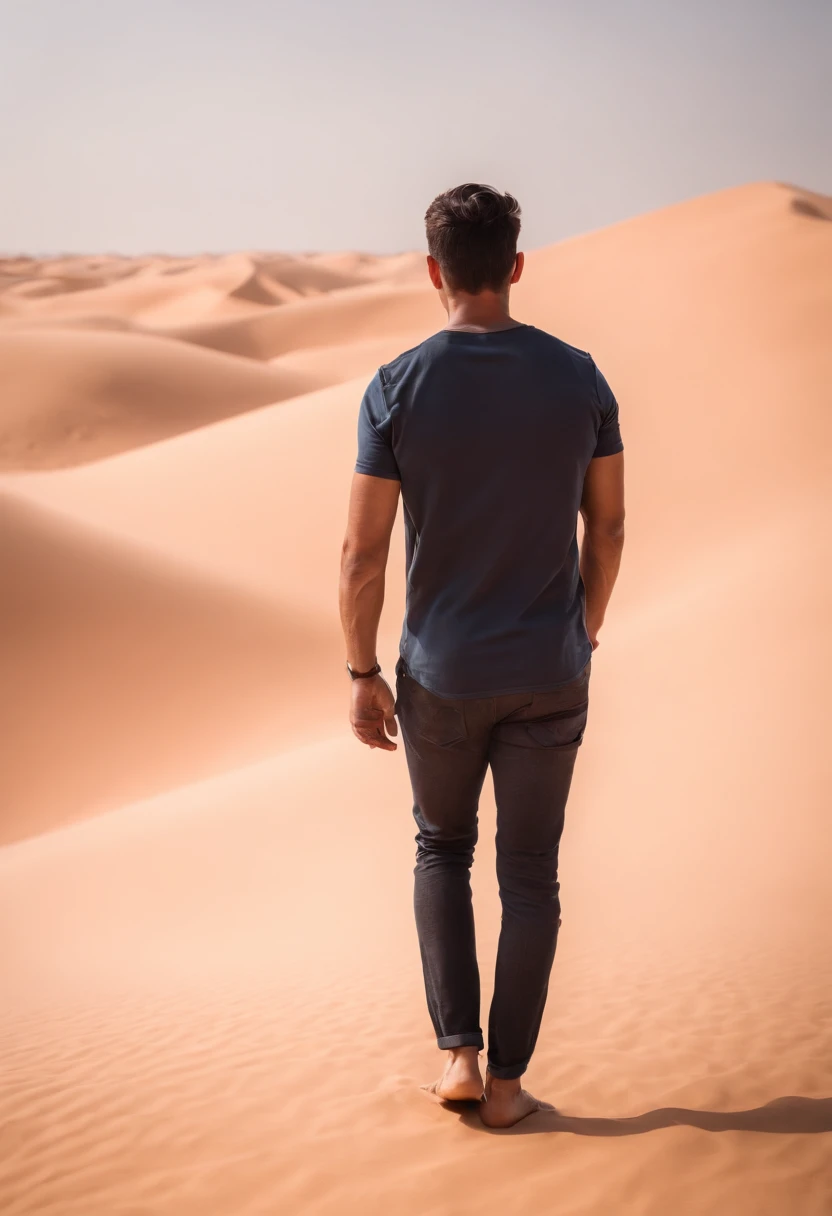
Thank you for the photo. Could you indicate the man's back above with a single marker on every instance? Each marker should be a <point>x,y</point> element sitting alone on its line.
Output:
<point>490,435</point>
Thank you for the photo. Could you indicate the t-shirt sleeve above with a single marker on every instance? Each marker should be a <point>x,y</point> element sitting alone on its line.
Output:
<point>609,432</point>
<point>375,440</point>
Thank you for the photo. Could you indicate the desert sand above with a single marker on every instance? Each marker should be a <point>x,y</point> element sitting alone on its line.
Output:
<point>211,1000</point>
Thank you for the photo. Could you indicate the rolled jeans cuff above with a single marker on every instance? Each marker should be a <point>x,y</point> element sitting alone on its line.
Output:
<point>472,1038</point>
<point>507,1074</point>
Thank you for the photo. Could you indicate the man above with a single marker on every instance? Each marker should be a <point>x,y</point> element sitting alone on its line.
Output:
<point>497,435</point>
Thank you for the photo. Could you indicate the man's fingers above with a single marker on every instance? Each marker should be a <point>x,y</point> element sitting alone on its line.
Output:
<point>392,728</point>
<point>379,741</point>
<point>385,744</point>
<point>373,736</point>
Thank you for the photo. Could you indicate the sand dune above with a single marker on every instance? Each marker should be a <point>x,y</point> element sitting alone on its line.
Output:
<point>124,674</point>
<point>308,276</point>
<point>212,999</point>
<point>96,368</point>
<point>153,290</point>
<point>230,520</point>
<point>76,395</point>
<point>344,361</point>
<point>332,319</point>
<point>176,291</point>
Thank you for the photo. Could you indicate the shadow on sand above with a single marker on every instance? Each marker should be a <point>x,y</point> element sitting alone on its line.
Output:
<point>786,1116</point>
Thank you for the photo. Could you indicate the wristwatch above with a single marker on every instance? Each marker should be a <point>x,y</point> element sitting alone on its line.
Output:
<point>364,675</point>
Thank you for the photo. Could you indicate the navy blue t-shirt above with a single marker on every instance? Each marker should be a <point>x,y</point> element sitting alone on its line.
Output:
<point>490,435</point>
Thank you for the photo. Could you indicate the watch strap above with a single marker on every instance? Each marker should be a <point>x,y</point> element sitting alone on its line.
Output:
<point>364,675</point>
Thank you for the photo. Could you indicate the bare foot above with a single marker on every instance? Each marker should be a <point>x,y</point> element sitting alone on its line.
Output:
<point>506,1103</point>
<point>462,1080</point>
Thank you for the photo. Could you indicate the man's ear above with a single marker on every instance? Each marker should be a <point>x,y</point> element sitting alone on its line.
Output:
<point>519,263</point>
<point>434,272</point>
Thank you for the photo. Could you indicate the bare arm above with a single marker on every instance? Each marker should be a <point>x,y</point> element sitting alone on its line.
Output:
<point>602,509</point>
<point>372,511</point>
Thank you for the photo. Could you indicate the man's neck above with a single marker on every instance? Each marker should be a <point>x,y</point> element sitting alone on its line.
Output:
<point>480,313</point>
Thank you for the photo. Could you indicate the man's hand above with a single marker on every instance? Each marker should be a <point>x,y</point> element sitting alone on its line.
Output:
<point>371,711</point>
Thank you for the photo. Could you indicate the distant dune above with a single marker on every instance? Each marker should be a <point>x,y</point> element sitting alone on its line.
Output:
<point>79,394</point>
<point>212,1000</point>
<point>354,313</point>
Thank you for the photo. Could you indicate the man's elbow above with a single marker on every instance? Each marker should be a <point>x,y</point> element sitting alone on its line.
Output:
<point>362,564</point>
<point>608,530</point>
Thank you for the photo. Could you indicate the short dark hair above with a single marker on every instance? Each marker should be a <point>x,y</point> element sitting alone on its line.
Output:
<point>472,232</point>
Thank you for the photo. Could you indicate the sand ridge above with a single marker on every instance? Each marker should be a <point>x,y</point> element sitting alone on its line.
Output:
<point>212,1001</point>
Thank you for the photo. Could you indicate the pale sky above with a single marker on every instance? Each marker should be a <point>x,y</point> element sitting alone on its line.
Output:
<point>197,125</point>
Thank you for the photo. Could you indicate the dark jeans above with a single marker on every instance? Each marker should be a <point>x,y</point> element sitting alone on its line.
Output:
<point>531,741</point>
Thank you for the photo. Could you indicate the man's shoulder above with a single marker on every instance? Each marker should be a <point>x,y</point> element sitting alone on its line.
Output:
<point>581,359</point>
<point>390,372</point>
<point>566,347</point>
